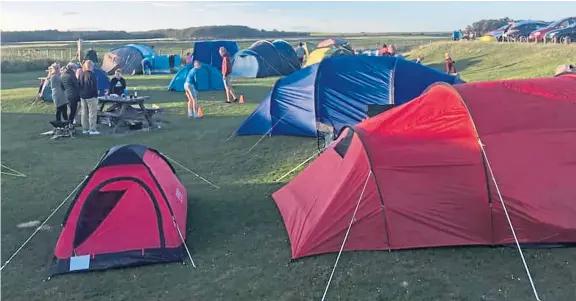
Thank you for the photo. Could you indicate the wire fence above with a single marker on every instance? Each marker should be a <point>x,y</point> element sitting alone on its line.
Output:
<point>69,52</point>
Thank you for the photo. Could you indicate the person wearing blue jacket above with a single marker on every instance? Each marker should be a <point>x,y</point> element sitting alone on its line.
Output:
<point>191,88</point>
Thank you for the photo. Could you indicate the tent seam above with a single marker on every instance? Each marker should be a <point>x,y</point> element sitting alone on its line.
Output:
<point>384,209</point>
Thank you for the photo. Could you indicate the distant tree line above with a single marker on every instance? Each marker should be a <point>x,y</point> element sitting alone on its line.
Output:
<point>486,25</point>
<point>204,32</point>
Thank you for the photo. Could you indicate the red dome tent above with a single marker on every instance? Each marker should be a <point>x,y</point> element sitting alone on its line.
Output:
<point>130,211</point>
<point>416,176</point>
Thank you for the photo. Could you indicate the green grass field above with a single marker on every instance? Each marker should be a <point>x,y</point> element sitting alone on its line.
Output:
<point>237,235</point>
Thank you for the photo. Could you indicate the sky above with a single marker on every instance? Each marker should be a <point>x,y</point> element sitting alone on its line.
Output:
<point>341,17</point>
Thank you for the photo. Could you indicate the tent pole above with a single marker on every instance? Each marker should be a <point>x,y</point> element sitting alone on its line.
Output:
<point>183,242</point>
<point>293,169</point>
<point>268,132</point>
<point>41,225</point>
<point>346,235</point>
<point>195,174</point>
<point>483,150</point>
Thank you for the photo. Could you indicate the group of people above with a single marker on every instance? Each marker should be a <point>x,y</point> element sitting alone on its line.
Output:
<point>73,86</point>
<point>70,86</point>
<point>191,83</point>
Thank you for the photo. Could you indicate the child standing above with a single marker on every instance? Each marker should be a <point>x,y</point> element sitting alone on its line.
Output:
<point>450,68</point>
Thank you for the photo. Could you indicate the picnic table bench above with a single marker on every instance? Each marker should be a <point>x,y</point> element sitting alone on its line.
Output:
<point>121,108</point>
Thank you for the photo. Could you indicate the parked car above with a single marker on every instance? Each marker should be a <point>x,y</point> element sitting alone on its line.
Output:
<point>497,33</point>
<point>564,35</point>
<point>521,30</point>
<point>538,35</point>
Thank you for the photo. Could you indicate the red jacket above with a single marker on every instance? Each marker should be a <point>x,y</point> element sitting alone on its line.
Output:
<point>226,66</point>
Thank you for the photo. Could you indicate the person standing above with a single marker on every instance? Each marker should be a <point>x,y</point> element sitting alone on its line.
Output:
<point>89,98</point>
<point>188,58</point>
<point>146,66</point>
<point>383,51</point>
<point>72,87</point>
<point>227,74</point>
<point>58,94</point>
<point>191,89</point>
<point>300,53</point>
<point>117,84</point>
<point>450,68</point>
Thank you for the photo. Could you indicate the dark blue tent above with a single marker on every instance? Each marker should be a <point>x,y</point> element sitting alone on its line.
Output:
<point>208,79</point>
<point>207,52</point>
<point>265,59</point>
<point>127,57</point>
<point>336,93</point>
<point>287,53</point>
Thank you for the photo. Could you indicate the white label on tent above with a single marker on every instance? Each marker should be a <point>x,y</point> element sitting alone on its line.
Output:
<point>79,262</point>
<point>179,195</point>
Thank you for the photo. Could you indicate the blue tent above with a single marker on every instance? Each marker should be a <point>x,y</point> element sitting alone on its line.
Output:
<point>207,52</point>
<point>127,57</point>
<point>101,77</point>
<point>210,79</point>
<point>264,59</point>
<point>336,93</point>
<point>165,64</point>
<point>287,53</point>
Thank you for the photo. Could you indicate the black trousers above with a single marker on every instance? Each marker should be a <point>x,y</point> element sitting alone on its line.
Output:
<point>73,110</point>
<point>62,112</point>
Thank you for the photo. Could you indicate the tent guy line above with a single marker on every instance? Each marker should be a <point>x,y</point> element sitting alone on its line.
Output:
<point>12,172</point>
<point>346,235</point>
<point>195,174</point>
<point>483,150</point>
<point>42,225</point>
<point>183,241</point>
<point>489,166</point>
<point>265,134</point>
<point>299,165</point>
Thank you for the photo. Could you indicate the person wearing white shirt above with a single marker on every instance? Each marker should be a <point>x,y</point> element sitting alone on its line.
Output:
<point>300,53</point>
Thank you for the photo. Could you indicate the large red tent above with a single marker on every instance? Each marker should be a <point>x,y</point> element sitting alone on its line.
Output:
<point>420,178</point>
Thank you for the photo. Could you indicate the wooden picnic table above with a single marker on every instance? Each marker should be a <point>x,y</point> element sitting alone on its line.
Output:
<point>121,109</point>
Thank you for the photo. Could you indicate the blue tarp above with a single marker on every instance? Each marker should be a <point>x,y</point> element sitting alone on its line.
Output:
<point>210,79</point>
<point>265,59</point>
<point>207,52</point>
<point>336,92</point>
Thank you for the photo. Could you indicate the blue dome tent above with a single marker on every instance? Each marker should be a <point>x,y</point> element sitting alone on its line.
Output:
<point>210,79</point>
<point>265,59</point>
<point>207,52</point>
<point>336,93</point>
<point>287,53</point>
<point>127,57</point>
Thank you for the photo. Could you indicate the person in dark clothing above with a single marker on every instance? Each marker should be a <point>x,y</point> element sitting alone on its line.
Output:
<point>89,99</point>
<point>117,84</point>
<point>72,89</point>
